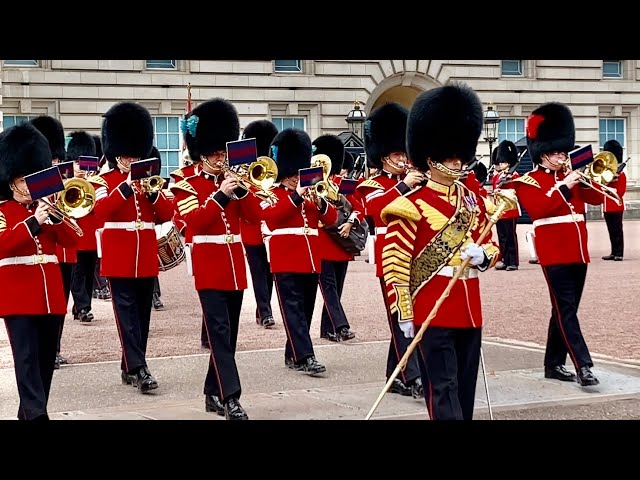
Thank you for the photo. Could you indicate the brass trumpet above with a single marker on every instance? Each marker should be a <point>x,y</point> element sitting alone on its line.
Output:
<point>75,201</point>
<point>600,172</point>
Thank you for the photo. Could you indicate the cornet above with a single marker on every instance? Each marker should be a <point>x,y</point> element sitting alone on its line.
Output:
<point>152,184</point>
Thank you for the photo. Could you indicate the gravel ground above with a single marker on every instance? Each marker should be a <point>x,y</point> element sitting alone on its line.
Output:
<point>516,306</point>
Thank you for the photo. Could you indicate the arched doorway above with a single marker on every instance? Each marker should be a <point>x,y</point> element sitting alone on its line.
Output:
<point>405,96</point>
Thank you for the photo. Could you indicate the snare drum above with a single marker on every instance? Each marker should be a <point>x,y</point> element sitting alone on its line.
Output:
<point>170,247</point>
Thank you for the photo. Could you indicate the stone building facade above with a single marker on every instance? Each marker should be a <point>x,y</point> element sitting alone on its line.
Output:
<point>316,95</point>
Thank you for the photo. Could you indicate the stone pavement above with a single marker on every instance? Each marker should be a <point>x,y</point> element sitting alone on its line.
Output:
<point>353,381</point>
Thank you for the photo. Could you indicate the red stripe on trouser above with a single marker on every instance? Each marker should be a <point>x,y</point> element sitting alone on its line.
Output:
<point>212,353</point>
<point>327,307</point>
<point>515,240</point>
<point>391,320</point>
<point>117,319</point>
<point>284,318</point>
<point>430,402</point>
<point>559,316</point>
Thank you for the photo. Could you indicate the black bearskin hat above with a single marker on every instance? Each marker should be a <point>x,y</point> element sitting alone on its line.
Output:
<point>209,126</point>
<point>291,150</point>
<point>127,130</point>
<point>349,161</point>
<point>614,147</point>
<point>98,143</point>
<point>53,131</point>
<point>481,172</point>
<point>506,152</point>
<point>264,132</point>
<point>81,144</point>
<point>331,146</point>
<point>445,122</point>
<point>385,133</point>
<point>550,128</point>
<point>155,153</point>
<point>23,150</point>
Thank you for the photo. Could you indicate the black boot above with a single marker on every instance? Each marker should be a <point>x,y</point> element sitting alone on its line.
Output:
<point>144,381</point>
<point>586,378</point>
<point>559,373</point>
<point>234,411</point>
<point>213,404</point>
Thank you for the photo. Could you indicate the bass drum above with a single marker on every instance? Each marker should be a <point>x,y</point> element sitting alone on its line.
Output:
<point>170,247</point>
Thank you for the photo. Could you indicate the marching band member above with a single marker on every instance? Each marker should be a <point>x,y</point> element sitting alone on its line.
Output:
<point>385,146</point>
<point>82,144</point>
<point>334,325</point>
<point>28,264</point>
<point>53,131</point>
<point>264,132</point>
<point>212,204</point>
<point>293,246</point>
<point>430,232</point>
<point>556,204</point>
<point>613,212</point>
<point>507,157</point>
<point>127,243</point>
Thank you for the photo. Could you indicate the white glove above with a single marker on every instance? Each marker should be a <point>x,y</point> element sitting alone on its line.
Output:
<point>473,251</point>
<point>407,329</point>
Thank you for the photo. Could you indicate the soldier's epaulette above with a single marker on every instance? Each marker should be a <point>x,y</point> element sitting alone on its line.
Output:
<point>177,173</point>
<point>98,180</point>
<point>184,186</point>
<point>401,207</point>
<point>527,180</point>
<point>371,184</point>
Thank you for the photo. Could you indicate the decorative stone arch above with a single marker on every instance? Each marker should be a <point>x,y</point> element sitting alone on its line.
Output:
<point>402,87</point>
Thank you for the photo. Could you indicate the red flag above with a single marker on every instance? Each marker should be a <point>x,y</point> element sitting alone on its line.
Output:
<point>188,98</point>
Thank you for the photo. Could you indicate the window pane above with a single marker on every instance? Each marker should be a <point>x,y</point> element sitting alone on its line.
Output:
<point>282,123</point>
<point>288,65</point>
<point>161,124</point>
<point>161,64</point>
<point>612,68</point>
<point>512,129</point>
<point>11,120</point>
<point>511,67</point>
<point>277,121</point>
<point>161,142</point>
<point>174,141</point>
<point>167,141</point>
<point>22,63</point>
<point>172,125</point>
<point>612,129</point>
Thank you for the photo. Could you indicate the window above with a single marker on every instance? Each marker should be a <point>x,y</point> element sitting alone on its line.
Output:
<point>612,69</point>
<point>612,129</point>
<point>288,66</point>
<point>21,63</point>
<point>161,64</point>
<point>511,67</point>
<point>283,123</point>
<point>511,129</point>
<point>168,142</point>
<point>11,120</point>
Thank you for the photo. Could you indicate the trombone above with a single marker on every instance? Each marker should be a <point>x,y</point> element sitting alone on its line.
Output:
<point>75,201</point>
<point>600,172</point>
<point>258,177</point>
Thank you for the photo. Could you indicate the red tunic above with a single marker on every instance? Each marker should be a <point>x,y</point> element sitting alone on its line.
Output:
<point>30,289</point>
<point>128,238</point>
<point>620,186</point>
<point>557,213</point>
<point>413,221</point>
<point>213,230</point>
<point>294,245</point>
<point>514,212</point>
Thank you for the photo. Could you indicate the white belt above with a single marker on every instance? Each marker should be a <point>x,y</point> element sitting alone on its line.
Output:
<point>450,271</point>
<point>381,230</point>
<point>231,238</point>
<point>136,225</point>
<point>576,217</point>
<point>295,231</point>
<point>29,260</point>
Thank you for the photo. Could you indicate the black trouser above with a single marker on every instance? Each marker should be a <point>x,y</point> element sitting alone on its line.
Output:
<point>449,369</point>
<point>297,297</point>
<point>83,278</point>
<point>508,240</point>
<point>261,278</point>
<point>131,299</point>
<point>331,284</point>
<point>33,344</point>
<point>99,282</point>
<point>67,277</point>
<point>616,236</point>
<point>221,310</point>
<point>566,283</point>
<point>156,287</point>
<point>398,345</point>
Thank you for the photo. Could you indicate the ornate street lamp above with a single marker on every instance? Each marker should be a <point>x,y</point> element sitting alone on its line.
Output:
<point>356,118</point>
<point>491,121</point>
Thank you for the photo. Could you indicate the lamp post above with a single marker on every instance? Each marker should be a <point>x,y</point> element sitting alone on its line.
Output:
<point>356,118</point>
<point>491,121</point>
